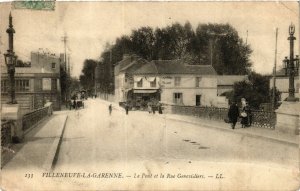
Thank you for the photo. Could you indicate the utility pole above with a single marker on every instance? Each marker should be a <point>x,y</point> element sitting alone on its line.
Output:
<point>65,39</point>
<point>274,73</point>
<point>68,66</point>
<point>247,38</point>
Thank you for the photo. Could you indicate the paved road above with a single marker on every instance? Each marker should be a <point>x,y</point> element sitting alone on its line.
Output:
<point>145,143</point>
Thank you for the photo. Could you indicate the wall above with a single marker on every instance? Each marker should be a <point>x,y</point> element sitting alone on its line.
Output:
<point>208,96</point>
<point>207,89</point>
<point>40,60</point>
<point>282,84</point>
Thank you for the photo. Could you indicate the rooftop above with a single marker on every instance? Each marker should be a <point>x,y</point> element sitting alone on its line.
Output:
<point>230,79</point>
<point>174,67</point>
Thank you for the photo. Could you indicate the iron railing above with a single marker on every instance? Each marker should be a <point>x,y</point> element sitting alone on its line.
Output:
<point>259,118</point>
<point>6,140</point>
<point>32,118</point>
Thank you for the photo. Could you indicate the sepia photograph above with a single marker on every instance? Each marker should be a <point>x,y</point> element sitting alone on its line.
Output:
<point>150,95</point>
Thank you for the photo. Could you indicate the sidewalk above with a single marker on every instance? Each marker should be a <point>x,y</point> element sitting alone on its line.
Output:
<point>40,145</point>
<point>257,132</point>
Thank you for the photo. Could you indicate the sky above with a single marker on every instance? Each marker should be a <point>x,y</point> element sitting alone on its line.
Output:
<point>90,25</point>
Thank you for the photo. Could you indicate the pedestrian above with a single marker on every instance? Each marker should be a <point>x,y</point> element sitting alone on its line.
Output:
<point>149,107</point>
<point>233,114</point>
<point>127,108</point>
<point>153,108</point>
<point>74,104</point>
<point>110,109</point>
<point>244,116</point>
<point>159,108</point>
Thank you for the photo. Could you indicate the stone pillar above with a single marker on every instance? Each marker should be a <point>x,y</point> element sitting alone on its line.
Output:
<point>11,112</point>
<point>288,118</point>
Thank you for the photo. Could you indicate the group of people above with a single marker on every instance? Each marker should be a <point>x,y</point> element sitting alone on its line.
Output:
<point>234,114</point>
<point>152,108</point>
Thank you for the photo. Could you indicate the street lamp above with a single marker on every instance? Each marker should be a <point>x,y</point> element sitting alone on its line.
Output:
<point>10,61</point>
<point>291,65</point>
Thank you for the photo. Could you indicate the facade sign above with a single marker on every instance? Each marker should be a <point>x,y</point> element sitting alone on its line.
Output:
<point>166,80</point>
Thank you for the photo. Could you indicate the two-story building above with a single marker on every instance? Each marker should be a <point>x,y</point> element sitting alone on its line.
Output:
<point>176,82</point>
<point>35,85</point>
<point>123,74</point>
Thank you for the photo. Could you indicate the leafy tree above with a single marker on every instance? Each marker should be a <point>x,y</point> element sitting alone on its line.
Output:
<point>174,42</point>
<point>221,45</point>
<point>87,78</point>
<point>143,41</point>
<point>256,91</point>
<point>21,63</point>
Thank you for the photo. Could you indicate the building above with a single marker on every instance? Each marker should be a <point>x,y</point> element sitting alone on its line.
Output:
<point>282,83</point>
<point>37,84</point>
<point>123,75</point>
<point>226,82</point>
<point>176,82</point>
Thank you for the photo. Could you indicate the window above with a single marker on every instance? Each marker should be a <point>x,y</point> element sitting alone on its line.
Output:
<point>53,65</point>
<point>140,83</point>
<point>46,84</point>
<point>22,85</point>
<point>198,79</point>
<point>178,98</point>
<point>177,81</point>
<point>153,83</point>
<point>4,86</point>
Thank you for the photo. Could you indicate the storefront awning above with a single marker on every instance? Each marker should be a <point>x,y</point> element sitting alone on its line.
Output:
<point>144,91</point>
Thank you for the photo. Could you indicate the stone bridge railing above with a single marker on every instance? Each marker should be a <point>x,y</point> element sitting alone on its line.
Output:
<point>259,118</point>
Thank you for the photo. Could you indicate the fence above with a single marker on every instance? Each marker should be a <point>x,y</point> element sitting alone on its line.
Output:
<point>259,118</point>
<point>6,128</point>
<point>30,119</point>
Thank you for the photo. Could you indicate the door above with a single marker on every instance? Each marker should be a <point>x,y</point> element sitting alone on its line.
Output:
<point>198,100</point>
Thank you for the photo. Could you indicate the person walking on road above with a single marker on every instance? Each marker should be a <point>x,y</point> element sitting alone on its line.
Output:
<point>149,107</point>
<point>127,108</point>
<point>110,109</point>
<point>159,108</point>
<point>233,114</point>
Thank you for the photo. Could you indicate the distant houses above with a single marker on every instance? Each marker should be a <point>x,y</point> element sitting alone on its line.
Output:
<point>139,82</point>
<point>36,84</point>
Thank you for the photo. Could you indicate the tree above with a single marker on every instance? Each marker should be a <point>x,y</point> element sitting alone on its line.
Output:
<point>87,78</point>
<point>143,41</point>
<point>230,55</point>
<point>174,42</point>
<point>21,63</point>
<point>256,90</point>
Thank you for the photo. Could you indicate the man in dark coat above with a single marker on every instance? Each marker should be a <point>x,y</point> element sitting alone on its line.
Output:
<point>233,114</point>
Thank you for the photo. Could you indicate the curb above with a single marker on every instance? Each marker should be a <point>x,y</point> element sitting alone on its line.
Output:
<point>58,146</point>
<point>238,132</point>
<point>53,153</point>
<point>38,123</point>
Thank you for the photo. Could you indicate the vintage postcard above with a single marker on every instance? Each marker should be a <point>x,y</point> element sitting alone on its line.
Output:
<point>139,95</point>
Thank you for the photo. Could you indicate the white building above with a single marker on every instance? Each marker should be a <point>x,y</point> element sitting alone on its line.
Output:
<point>176,82</point>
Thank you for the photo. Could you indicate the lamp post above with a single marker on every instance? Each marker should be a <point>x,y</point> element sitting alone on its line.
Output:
<point>10,61</point>
<point>291,65</point>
